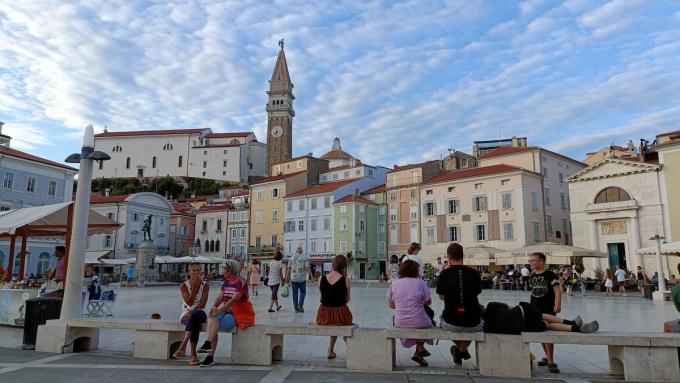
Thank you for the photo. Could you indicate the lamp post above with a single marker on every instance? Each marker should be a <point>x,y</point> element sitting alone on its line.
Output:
<point>76,257</point>
<point>658,295</point>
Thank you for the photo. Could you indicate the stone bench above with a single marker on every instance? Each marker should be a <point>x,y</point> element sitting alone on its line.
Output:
<point>154,339</point>
<point>649,357</point>
<point>263,344</point>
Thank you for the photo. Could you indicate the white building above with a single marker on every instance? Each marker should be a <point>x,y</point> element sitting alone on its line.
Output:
<point>308,215</point>
<point>131,210</point>
<point>355,169</point>
<point>211,229</point>
<point>237,226</point>
<point>616,207</point>
<point>196,153</point>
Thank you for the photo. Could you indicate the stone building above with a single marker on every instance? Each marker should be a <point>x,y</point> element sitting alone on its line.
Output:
<point>211,229</point>
<point>182,229</point>
<point>237,226</point>
<point>280,114</point>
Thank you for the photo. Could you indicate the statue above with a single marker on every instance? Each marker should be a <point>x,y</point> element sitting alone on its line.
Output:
<point>281,43</point>
<point>146,229</point>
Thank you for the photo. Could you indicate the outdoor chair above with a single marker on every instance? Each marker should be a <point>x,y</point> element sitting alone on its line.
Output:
<point>103,306</point>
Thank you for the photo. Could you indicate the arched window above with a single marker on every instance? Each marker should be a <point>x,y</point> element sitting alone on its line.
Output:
<point>127,163</point>
<point>612,194</point>
<point>235,142</point>
<point>2,259</point>
<point>217,245</point>
<point>179,162</point>
<point>207,246</point>
<point>43,262</point>
<point>212,246</point>
<point>153,162</point>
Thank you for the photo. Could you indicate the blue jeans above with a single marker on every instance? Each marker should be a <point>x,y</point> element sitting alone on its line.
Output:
<point>301,288</point>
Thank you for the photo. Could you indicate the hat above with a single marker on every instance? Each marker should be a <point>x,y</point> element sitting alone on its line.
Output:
<point>95,278</point>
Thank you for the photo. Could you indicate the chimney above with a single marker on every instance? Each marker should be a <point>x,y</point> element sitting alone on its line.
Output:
<point>107,192</point>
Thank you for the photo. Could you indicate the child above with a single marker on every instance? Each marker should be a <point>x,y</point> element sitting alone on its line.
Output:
<point>609,283</point>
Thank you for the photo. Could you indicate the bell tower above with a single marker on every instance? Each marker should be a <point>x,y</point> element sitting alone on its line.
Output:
<point>280,113</point>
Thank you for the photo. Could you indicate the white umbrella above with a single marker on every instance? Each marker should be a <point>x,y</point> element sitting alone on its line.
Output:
<point>556,254</point>
<point>668,249</point>
<point>480,255</point>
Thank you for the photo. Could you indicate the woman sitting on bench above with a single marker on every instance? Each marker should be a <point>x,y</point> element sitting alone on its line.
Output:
<point>194,297</point>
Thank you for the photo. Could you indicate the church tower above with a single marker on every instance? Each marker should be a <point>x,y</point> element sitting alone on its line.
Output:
<point>280,113</point>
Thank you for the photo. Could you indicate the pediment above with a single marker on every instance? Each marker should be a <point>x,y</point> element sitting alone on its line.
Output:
<point>613,167</point>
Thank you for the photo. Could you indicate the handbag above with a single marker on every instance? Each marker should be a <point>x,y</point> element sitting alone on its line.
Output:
<point>285,291</point>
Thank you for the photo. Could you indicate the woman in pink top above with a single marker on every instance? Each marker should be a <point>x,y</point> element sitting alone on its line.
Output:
<point>408,296</point>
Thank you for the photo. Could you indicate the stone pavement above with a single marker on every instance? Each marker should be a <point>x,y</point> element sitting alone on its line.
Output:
<point>370,309</point>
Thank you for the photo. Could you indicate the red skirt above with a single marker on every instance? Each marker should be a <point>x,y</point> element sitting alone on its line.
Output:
<point>334,316</point>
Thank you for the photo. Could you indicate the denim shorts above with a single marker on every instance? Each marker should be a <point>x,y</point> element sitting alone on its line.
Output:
<point>226,320</point>
<point>453,328</point>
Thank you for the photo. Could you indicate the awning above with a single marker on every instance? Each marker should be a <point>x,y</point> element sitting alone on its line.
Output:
<point>95,256</point>
<point>163,259</point>
<point>671,248</point>
<point>556,254</point>
<point>49,221</point>
<point>114,262</point>
<point>196,259</point>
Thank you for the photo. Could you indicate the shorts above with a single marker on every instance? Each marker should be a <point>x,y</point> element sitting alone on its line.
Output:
<point>621,283</point>
<point>226,320</point>
<point>675,325</point>
<point>532,318</point>
<point>275,291</point>
<point>453,328</point>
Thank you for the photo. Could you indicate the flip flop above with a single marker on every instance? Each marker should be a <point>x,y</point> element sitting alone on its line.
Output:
<point>176,355</point>
<point>194,362</point>
<point>331,355</point>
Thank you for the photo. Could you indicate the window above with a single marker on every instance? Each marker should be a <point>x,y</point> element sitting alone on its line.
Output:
<point>548,222</point>
<point>275,215</point>
<point>537,231</point>
<point>381,247</point>
<point>505,182</point>
<point>393,235</point>
<point>289,206</point>
<point>346,175</point>
<point>153,162</point>
<point>478,186</point>
<point>414,193</point>
<point>381,227</point>
<point>430,209</point>
<point>258,216</point>
<point>301,225</point>
<point>565,226</point>
<point>612,194</point>
<point>225,150</point>
<point>234,233</point>
<point>343,246</point>
<point>299,164</point>
<point>204,226</point>
<point>507,200</point>
<point>219,224</point>
<point>362,225</point>
<point>30,185</point>
<point>312,246</point>
<point>546,195</point>
<point>326,202</point>
<point>301,205</point>
<point>479,204</point>
<point>312,224</point>
<point>563,201</point>
<point>179,162</point>
<point>454,234</point>
<point>480,232</point>
<point>324,177</point>
<point>205,152</point>
<point>8,181</point>
<point>205,164</point>
<point>343,208</point>
<point>429,234</point>
<point>289,227</point>
<point>52,188</point>
<point>414,176</point>
<point>428,192</point>
<point>127,163</point>
<point>5,207</point>
<point>451,189</point>
<point>107,241</point>
<point>259,195</point>
<point>185,231</point>
<point>545,172</point>
<point>362,208</point>
<point>414,211</point>
<point>258,241</point>
<point>275,193</point>
<point>135,217</point>
<point>43,262</point>
<point>343,225</point>
<point>382,210</point>
<point>110,215</point>
<point>326,223</point>
<point>393,213</point>
<point>534,201</point>
<point>414,233</point>
<point>274,240</point>
<point>313,202</point>
<point>393,196</point>
<point>561,177</point>
<point>507,231</point>
<point>362,246</point>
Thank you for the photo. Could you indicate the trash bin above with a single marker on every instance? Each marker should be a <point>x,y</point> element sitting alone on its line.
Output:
<point>649,289</point>
<point>38,311</point>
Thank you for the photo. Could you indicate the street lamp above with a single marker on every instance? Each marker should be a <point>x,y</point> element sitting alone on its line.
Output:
<point>76,257</point>
<point>658,295</point>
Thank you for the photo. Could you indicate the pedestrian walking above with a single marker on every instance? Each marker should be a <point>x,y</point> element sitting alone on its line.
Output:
<point>393,268</point>
<point>297,273</point>
<point>274,280</point>
<point>254,275</point>
<point>608,283</point>
<point>620,275</point>
<point>335,290</point>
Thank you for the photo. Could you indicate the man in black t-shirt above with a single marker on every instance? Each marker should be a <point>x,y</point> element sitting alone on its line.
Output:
<point>458,286</point>
<point>546,295</point>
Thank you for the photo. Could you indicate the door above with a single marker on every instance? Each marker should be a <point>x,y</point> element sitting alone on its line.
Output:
<point>140,173</point>
<point>362,270</point>
<point>617,255</point>
<point>383,267</point>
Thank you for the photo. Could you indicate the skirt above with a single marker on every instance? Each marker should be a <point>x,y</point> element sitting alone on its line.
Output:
<point>334,316</point>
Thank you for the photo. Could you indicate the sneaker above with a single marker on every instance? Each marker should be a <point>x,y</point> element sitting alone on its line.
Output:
<point>297,309</point>
<point>543,362</point>
<point>465,355</point>
<point>425,354</point>
<point>552,367</point>
<point>578,321</point>
<point>457,357</point>
<point>208,361</point>
<point>419,359</point>
<point>300,309</point>
<point>589,327</point>
<point>207,347</point>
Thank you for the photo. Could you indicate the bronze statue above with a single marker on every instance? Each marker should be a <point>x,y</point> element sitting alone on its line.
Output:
<point>146,228</point>
<point>281,43</point>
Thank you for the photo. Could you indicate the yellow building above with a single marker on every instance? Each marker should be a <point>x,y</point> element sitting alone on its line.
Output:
<point>668,148</point>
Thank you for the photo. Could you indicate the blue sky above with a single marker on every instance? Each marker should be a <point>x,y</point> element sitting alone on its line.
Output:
<point>398,82</point>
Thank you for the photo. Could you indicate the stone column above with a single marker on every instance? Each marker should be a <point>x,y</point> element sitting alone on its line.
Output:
<point>635,231</point>
<point>595,244</point>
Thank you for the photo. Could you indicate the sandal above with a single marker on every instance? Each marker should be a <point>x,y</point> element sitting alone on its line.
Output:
<point>331,355</point>
<point>194,362</point>
<point>419,359</point>
<point>178,355</point>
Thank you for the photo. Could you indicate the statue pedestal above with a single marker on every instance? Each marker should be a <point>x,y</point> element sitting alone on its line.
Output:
<point>146,252</point>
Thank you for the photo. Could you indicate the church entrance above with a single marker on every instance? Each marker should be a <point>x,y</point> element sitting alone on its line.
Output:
<point>617,255</point>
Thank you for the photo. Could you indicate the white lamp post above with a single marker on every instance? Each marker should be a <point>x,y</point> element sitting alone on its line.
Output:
<point>658,295</point>
<point>73,285</point>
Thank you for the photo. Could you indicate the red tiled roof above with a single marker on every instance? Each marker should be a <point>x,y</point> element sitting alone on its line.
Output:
<point>355,198</point>
<point>377,189</point>
<point>23,155</point>
<point>244,192</point>
<point>229,135</point>
<point>398,168</point>
<point>97,198</point>
<point>149,132</point>
<point>473,172</point>
<point>217,207</point>
<point>199,198</point>
<point>506,150</point>
<point>669,133</point>
<point>275,178</point>
<point>322,188</point>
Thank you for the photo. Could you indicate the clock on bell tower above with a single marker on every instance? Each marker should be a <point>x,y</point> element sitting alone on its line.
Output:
<point>280,113</point>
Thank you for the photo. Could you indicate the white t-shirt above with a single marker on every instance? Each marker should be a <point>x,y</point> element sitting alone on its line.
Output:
<point>415,258</point>
<point>525,272</point>
<point>620,275</point>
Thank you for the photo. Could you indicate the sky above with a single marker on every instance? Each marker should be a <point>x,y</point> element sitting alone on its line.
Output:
<point>397,82</point>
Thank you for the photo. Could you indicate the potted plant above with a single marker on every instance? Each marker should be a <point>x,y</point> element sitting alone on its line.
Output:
<point>599,275</point>
<point>430,277</point>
